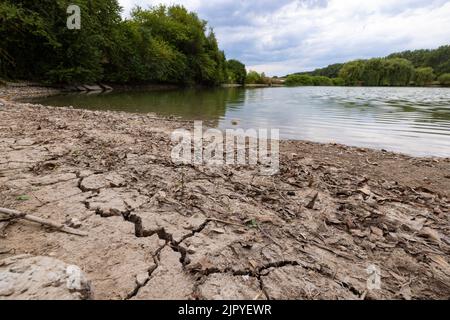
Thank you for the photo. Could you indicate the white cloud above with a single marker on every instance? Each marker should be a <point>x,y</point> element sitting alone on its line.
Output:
<point>285,36</point>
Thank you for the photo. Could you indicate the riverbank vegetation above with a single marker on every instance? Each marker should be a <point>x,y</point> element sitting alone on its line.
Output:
<point>254,77</point>
<point>159,45</point>
<point>409,68</point>
<point>236,72</point>
<point>308,80</point>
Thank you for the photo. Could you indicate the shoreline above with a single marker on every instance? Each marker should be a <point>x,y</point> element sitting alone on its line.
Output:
<point>160,231</point>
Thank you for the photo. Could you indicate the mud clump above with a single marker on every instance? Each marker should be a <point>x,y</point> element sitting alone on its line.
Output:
<point>42,278</point>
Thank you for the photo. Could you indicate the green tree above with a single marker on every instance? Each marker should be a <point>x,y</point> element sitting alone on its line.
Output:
<point>352,72</point>
<point>424,76</point>
<point>299,80</point>
<point>253,77</point>
<point>338,81</point>
<point>322,81</point>
<point>397,72</point>
<point>236,71</point>
<point>36,43</point>
<point>444,79</point>
<point>161,44</point>
<point>372,72</point>
<point>332,71</point>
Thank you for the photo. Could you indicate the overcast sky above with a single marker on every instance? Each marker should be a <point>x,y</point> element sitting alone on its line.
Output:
<point>285,36</point>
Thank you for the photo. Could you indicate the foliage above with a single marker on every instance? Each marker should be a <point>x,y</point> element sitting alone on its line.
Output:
<point>161,44</point>
<point>438,59</point>
<point>398,69</point>
<point>338,81</point>
<point>445,79</point>
<point>236,72</point>
<point>322,81</point>
<point>299,80</point>
<point>254,77</point>
<point>352,72</point>
<point>307,80</point>
<point>332,71</point>
<point>378,72</point>
<point>36,43</point>
<point>424,76</point>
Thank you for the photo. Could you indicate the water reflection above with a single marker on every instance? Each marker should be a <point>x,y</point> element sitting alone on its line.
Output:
<point>190,104</point>
<point>410,120</point>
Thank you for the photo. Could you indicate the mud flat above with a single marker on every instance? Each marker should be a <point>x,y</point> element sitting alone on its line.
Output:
<point>160,231</point>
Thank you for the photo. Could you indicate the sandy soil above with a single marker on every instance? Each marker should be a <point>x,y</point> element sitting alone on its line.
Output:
<point>160,231</point>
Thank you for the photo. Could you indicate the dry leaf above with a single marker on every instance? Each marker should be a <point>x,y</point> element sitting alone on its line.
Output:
<point>431,234</point>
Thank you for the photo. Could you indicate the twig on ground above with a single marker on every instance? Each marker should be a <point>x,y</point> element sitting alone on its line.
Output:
<point>60,227</point>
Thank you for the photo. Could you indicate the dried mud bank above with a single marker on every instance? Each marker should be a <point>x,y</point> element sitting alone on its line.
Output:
<point>160,231</point>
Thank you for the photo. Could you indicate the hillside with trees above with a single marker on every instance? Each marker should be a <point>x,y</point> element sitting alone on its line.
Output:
<point>164,44</point>
<point>408,68</point>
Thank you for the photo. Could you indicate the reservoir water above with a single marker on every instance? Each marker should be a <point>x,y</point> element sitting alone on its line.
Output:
<point>414,121</point>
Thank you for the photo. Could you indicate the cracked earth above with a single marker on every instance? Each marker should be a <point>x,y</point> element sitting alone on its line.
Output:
<point>162,231</point>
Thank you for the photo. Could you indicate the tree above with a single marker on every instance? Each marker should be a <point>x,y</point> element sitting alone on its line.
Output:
<point>424,76</point>
<point>378,72</point>
<point>397,72</point>
<point>254,77</point>
<point>322,81</point>
<point>307,80</point>
<point>236,72</point>
<point>352,72</point>
<point>161,44</point>
<point>338,81</point>
<point>332,71</point>
<point>373,72</point>
<point>299,80</point>
<point>39,46</point>
<point>397,69</point>
<point>445,79</point>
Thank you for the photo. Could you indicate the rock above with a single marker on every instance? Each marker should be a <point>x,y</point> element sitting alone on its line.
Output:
<point>26,277</point>
<point>93,87</point>
<point>73,223</point>
<point>105,87</point>
<point>81,88</point>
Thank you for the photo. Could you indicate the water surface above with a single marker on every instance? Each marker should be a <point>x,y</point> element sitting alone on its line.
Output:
<point>414,121</point>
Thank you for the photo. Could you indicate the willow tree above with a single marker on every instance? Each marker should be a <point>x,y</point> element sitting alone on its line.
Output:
<point>424,76</point>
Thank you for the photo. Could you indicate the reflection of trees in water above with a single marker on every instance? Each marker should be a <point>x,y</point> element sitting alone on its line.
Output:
<point>200,104</point>
<point>423,112</point>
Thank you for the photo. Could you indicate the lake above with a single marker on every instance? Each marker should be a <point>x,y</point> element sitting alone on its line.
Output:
<point>414,121</point>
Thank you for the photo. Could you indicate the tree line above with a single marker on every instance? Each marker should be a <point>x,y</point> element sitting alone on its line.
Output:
<point>408,68</point>
<point>163,44</point>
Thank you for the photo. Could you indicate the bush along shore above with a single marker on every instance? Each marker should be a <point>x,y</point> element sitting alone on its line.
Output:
<point>333,217</point>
